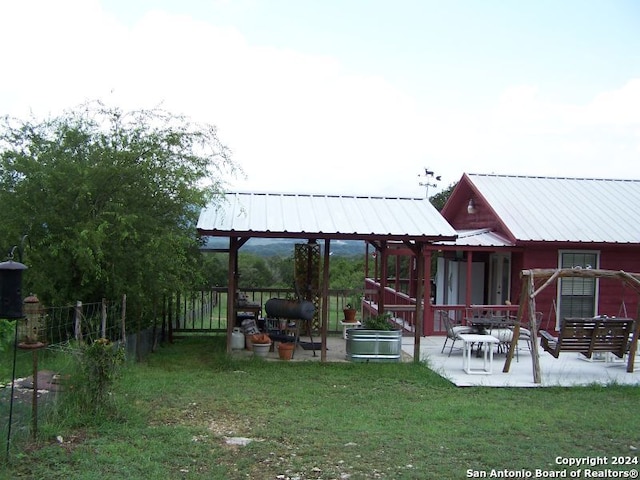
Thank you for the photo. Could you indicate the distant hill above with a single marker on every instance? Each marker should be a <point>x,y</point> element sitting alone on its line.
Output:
<point>282,247</point>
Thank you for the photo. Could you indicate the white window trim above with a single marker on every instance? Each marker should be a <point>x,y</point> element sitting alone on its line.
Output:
<point>597,253</point>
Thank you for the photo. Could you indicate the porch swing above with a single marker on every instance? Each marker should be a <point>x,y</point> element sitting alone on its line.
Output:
<point>527,299</point>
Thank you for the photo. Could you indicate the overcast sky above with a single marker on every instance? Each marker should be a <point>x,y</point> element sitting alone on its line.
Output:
<point>351,96</point>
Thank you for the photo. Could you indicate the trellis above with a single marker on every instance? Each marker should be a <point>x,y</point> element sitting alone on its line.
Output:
<point>307,276</point>
<point>527,307</point>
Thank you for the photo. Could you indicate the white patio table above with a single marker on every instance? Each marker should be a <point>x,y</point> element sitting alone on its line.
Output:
<point>468,340</point>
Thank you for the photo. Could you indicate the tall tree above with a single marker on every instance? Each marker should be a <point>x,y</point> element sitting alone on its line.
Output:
<point>109,200</point>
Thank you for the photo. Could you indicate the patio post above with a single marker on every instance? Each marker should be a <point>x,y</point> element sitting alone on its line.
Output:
<point>418,327</point>
<point>231,288</point>
<point>325,296</point>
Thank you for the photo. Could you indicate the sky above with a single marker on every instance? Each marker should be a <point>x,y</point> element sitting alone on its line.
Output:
<point>351,97</point>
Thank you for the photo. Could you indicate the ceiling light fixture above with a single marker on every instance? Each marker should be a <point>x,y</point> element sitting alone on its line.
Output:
<point>471,207</point>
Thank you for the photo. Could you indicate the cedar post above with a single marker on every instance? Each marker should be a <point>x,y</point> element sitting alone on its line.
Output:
<point>516,332</point>
<point>103,319</point>
<point>77,321</point>
<point>534,335</point>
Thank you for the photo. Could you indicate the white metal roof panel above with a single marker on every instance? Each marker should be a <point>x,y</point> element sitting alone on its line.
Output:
<point>324,215</point>
<point>478,238</point>
<point>564,209</point>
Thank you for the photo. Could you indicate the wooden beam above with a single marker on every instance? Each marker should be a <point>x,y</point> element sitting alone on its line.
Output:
<point>549,281</point>
<point>577,272</point>
<point>631,280</point>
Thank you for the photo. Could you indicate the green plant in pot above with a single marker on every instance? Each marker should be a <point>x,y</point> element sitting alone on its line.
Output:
<point>378,322</point>
<point>351,309</point>
<point>377,341</point>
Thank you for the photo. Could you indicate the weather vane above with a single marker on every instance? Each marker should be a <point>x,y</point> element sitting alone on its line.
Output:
<point>429,174</point>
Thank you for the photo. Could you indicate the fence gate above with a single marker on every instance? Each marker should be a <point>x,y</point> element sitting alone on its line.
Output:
<point>194,312</point>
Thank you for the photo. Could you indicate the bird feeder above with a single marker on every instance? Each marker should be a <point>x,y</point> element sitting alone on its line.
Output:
<point>11,289</point>
<point>29,331</point>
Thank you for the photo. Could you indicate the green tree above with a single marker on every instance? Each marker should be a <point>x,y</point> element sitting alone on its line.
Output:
<point>109,201</point>
<point>439,199</point>
<point>253,271</point>
<point>282,270</point>
<point>346,272</point>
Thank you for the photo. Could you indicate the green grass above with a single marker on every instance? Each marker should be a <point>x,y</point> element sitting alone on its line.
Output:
<point>310,420</point>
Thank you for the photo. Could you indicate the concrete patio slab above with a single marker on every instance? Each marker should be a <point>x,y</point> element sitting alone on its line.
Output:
<point>571,369</point>
<point>568,370</point>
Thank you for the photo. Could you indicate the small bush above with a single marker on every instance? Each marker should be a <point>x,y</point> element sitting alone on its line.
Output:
<point>378,322</point>
<point>100,363</point>
<point>7,333</point>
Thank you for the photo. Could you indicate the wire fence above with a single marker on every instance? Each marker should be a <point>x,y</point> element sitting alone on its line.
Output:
<point>83,322</point>
<point>34,367</point>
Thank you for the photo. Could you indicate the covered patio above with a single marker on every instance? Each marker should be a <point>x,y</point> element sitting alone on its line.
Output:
<point>388,225</point>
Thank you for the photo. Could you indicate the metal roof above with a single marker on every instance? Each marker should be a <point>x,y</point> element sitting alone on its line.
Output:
<point>323,216</point>
<point>564,209</point>
<point>478,238</point>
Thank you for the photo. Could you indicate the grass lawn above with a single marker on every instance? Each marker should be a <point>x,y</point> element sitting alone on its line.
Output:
<point>323,421</point>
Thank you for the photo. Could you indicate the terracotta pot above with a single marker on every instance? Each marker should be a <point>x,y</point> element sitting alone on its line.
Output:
<point>349,314</point>
<point>285,350</point>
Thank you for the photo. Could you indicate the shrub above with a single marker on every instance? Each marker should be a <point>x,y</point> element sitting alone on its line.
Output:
<point>378,322</point>
<point>100,363</point>
<point>7,334</point>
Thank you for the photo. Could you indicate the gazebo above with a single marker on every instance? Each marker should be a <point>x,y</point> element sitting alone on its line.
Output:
<point>383,222</point>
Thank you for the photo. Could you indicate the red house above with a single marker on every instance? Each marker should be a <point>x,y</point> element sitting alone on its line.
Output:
<point>507,224</point>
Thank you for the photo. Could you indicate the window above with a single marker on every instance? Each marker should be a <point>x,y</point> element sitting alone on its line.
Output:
<point>577,296</point>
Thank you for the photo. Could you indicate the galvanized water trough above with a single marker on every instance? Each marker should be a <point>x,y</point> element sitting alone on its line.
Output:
<point>374,345</point>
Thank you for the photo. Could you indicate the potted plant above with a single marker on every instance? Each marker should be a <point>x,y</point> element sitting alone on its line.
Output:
<point>377,341</point>
<point>261,344</point>
<point>351,309</point>
<point>378,322</point>
<point>285,350</point>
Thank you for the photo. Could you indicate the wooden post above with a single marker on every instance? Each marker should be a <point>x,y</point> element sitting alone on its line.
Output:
<point>325,302</point>
<point>383,276</point>
<point>123,319</point>
<point>419,302</point>
<point>34,400</point>
<point>634,342</point>
<point>231,290</point>
<point>516,333</point>
<point>77,321</point>
<point>103,319</point>
<point>535,358</point>
<point>468,298</point>
<point>427,313</point>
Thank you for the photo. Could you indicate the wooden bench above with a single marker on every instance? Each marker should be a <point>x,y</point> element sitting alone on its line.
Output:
<point>589,335</point>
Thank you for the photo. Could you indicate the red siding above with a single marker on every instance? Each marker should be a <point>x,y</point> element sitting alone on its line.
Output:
<point>613,294</point>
